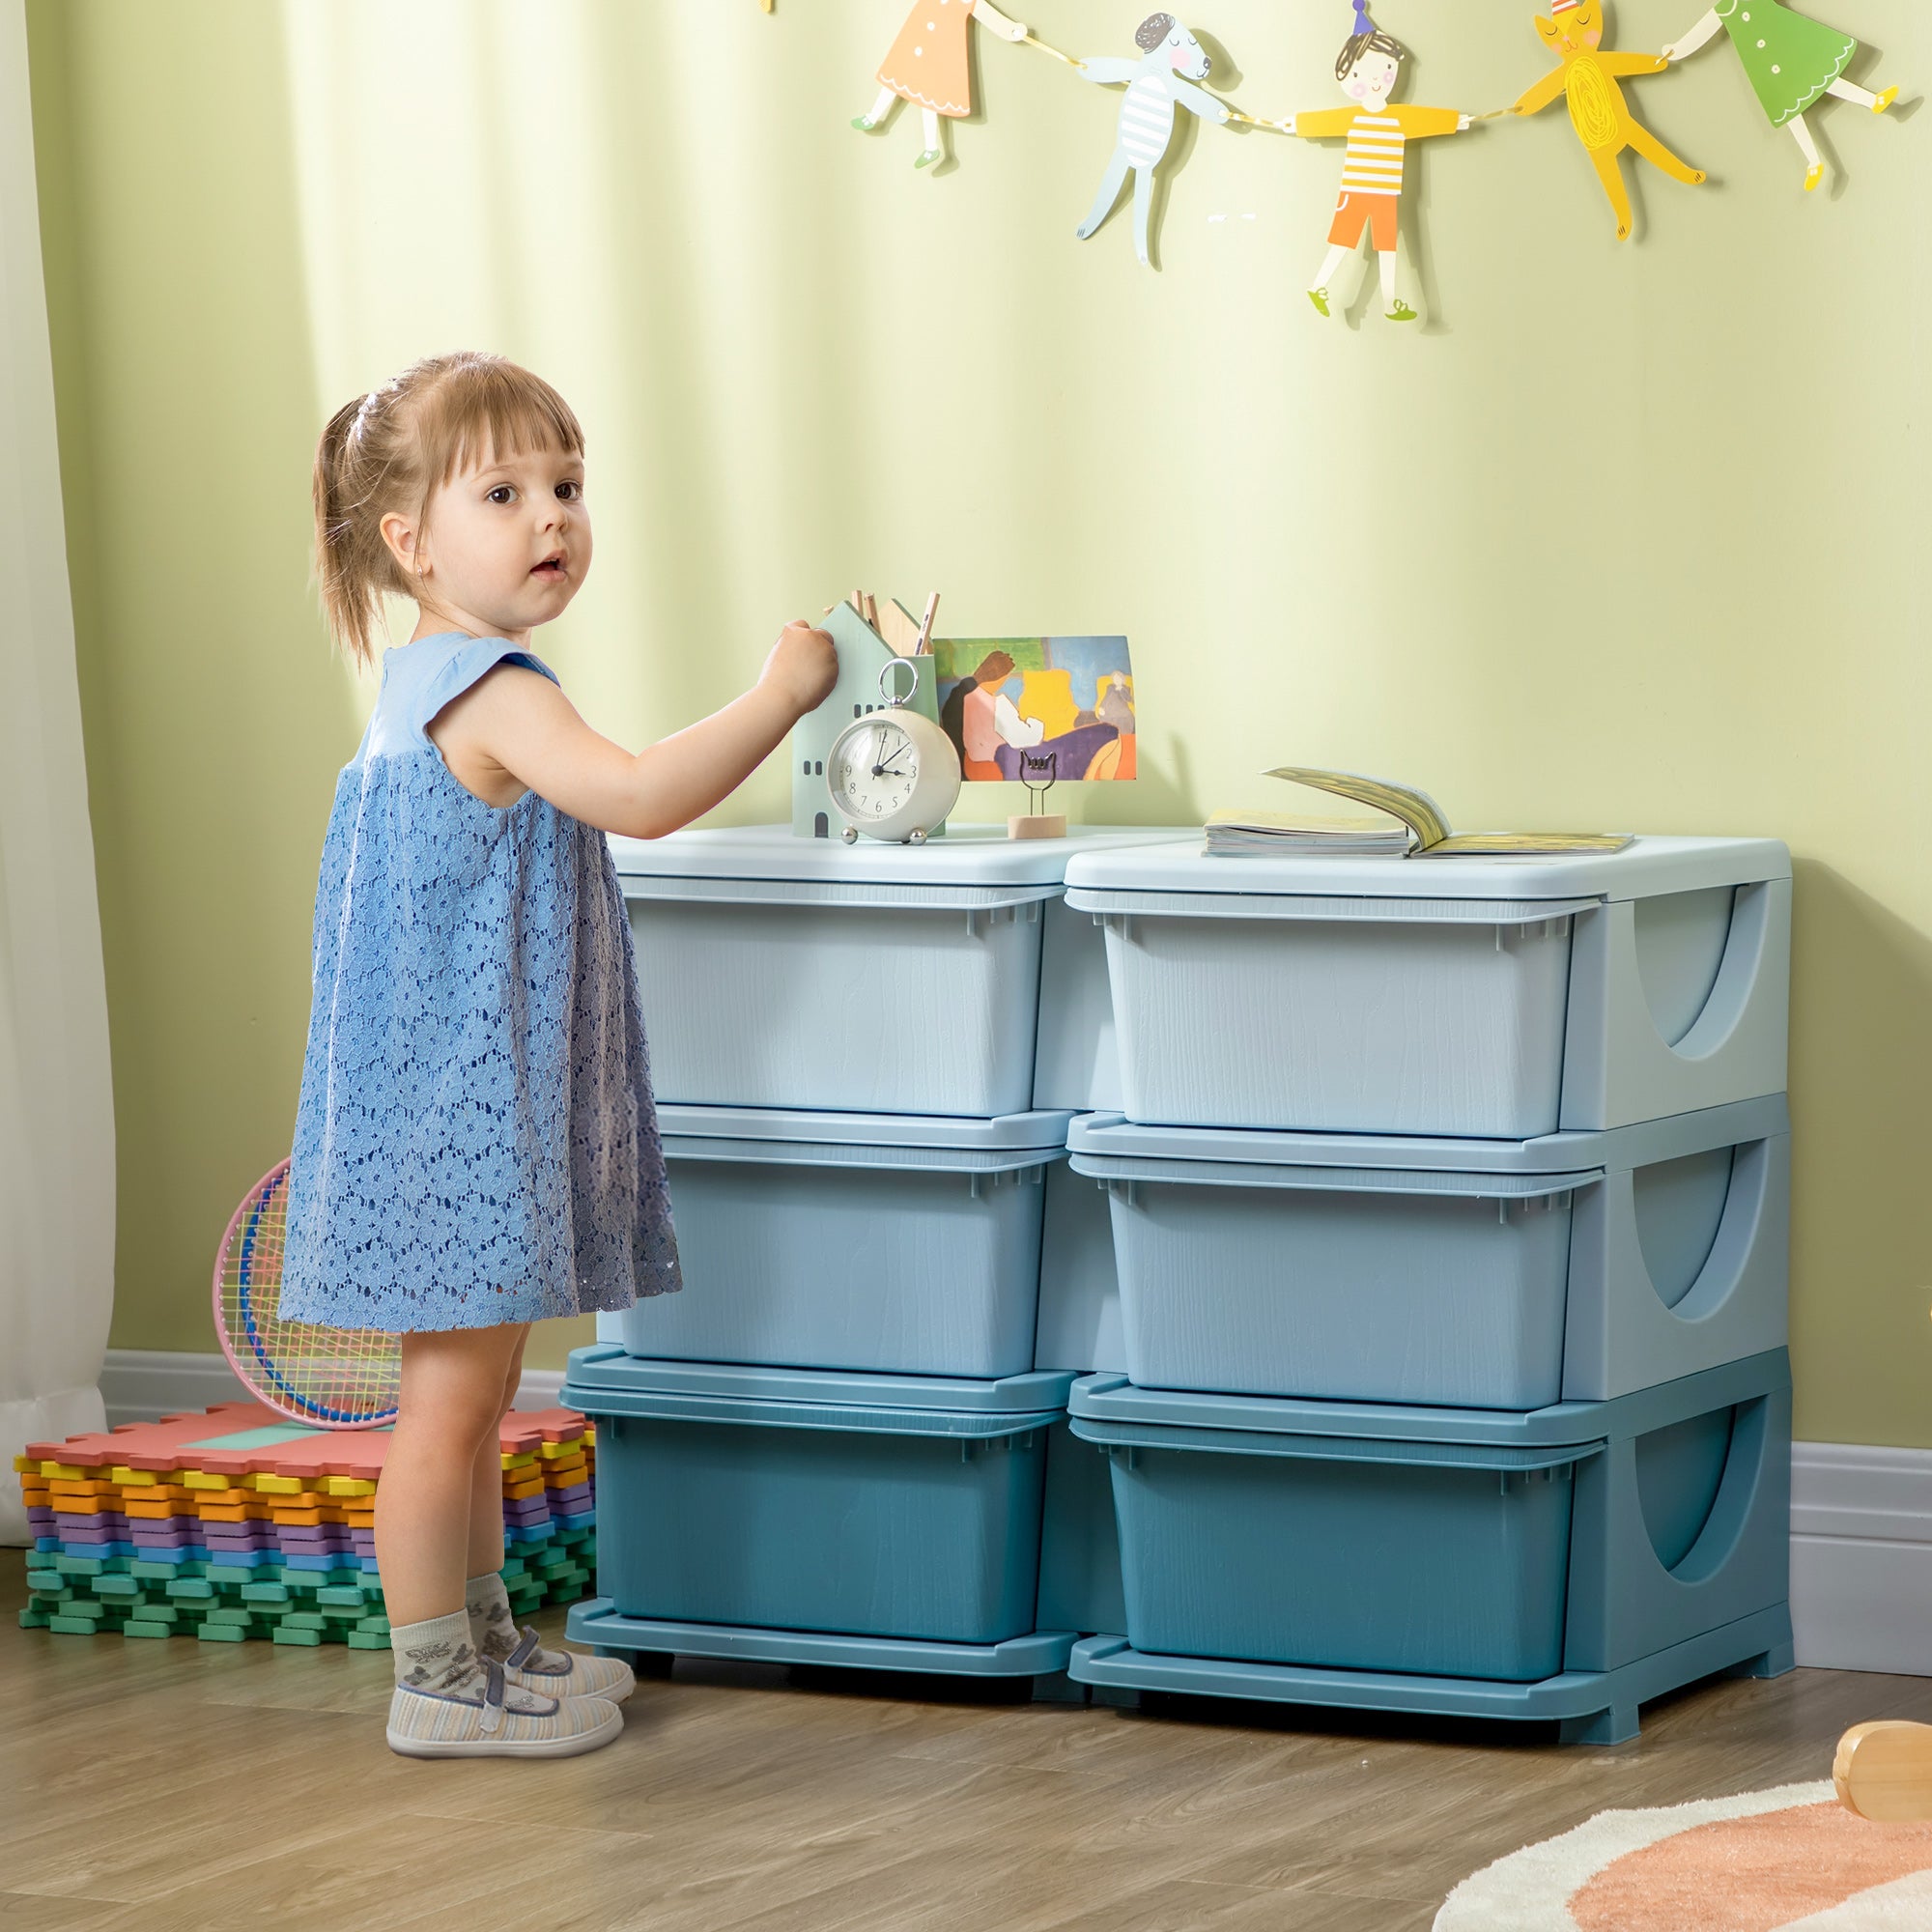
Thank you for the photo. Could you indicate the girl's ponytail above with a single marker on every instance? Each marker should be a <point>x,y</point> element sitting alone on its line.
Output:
<point>348,605</point>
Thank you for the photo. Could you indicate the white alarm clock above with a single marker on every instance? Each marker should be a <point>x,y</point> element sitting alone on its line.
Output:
<point>892,774</point>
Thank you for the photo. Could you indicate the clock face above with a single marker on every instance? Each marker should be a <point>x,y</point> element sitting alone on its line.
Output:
<point>875,770</point>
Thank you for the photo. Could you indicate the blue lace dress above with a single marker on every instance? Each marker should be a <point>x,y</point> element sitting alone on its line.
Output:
<point>475,1141</point>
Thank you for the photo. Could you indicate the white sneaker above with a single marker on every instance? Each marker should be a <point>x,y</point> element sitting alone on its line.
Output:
<point>495,1718</point>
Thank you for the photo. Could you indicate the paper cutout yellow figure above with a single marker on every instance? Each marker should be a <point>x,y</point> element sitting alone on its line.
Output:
<point>1791,61</point>
<point>1588,77</point>
<point>930,65</point>
<point>1372,173</point>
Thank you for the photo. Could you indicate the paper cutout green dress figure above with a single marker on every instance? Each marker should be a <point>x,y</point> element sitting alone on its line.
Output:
<point>1792,62</point>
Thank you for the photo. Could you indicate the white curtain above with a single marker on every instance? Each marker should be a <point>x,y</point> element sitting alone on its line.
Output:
<point>56,1116</point>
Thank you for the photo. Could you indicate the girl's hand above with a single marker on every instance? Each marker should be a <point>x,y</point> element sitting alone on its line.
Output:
<point>802,668</point>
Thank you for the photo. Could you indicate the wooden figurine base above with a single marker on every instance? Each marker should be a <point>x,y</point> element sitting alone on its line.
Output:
<point>1883,1772</point>
<point>1041,825</point>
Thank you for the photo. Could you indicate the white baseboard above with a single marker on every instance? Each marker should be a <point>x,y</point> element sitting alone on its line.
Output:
<point>145,1384</point>
<point>1860,1518</point>
<point>1861,1557</point>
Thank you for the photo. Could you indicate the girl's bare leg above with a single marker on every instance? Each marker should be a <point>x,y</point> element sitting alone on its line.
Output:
<point>485,1480</point>
<point>452,1400</point>
<point>1850,90</point>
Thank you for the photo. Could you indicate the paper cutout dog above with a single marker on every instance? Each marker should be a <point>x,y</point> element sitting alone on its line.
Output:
<point>1156,83</point>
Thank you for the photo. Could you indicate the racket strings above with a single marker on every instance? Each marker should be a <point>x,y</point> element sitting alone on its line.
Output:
<point>336,1378</point>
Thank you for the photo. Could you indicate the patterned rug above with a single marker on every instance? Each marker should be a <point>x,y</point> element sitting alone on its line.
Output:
<point>1786,1860</point>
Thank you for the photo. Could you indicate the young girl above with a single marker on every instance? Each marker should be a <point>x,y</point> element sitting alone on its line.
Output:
<point>475,1144</point>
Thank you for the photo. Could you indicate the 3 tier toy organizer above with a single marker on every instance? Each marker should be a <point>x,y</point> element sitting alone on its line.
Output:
<point>833,1447</point>
<point>1341,1282</point>
<point>1450,1207</point>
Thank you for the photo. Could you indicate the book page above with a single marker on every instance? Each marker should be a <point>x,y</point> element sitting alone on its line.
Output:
<point>1415,809</point>
<point>1521,844</point>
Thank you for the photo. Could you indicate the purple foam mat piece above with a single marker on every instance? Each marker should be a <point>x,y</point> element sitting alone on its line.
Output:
<point>532,1512</point>
<point>583,1507</point>
<point>572,1493</point>
<point>305,1536</point>
<point>83,1538</point>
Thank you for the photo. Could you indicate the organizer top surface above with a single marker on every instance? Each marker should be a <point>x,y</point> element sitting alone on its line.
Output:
<point>1104,1399</point>
<point>606,1367</point>
<point>969,855</point>
<point>1646,869</point>
<point>1112,1139</point>
<point>1043,1130</point>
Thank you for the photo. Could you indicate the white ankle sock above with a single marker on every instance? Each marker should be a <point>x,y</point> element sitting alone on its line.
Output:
<point>438,1655</point>
<point>492,1625</point>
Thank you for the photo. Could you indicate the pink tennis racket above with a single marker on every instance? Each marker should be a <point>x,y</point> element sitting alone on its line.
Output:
<point>328,1378</point>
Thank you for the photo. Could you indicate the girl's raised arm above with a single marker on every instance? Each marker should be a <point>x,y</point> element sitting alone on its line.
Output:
<point>516,723</point>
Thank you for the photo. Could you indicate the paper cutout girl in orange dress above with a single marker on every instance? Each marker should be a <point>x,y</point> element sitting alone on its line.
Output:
<point>929,65</point>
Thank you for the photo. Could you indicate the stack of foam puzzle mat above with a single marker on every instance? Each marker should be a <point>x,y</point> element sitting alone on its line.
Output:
<point>233,1524</point>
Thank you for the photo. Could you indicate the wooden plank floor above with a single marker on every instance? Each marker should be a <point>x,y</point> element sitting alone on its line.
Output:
<point>163,1786</point>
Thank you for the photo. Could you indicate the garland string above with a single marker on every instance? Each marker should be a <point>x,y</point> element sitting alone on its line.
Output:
<point>1033,39</point>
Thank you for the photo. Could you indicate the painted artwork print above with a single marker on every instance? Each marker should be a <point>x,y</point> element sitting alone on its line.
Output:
<point>1035,709</point>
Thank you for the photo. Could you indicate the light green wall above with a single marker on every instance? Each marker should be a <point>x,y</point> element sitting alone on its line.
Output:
<point>1627,536</point>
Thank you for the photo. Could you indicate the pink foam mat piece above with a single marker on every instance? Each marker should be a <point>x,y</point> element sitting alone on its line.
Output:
<point>186,1442</point>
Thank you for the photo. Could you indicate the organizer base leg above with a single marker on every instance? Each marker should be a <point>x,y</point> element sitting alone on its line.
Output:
<point>1772,1662</point>
<point>1057,1687</point>
<point>642,1663</point>
<point>1617,1726</point>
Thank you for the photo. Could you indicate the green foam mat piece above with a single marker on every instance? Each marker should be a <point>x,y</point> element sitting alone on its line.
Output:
<point>308,1638</point>
<point>360,1639</point>
<point>83,1626</point>
<point>213,1632</point>
<point>141,1626</point>
<point>34,1618</point>
<point>374,1625</point>
<point>267,1593</point>
<point>90,1566</point>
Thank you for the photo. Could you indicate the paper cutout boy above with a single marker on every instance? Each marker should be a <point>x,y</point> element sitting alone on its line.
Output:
<point>1791,61</point>
<point>1368,68</point>
<point>930,65</point>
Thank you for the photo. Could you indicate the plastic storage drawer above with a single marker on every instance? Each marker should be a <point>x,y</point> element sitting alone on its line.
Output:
<point>875,1506</point>
<point>801,973</point>
<point>1499,997</point>
<point>1584,1537</point>
<point>861,1241</point>
<point>1480,1275</point>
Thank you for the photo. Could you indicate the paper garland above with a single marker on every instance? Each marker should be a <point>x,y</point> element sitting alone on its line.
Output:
<point>1792,62</point>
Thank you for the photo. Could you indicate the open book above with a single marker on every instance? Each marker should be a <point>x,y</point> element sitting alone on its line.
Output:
<point>1425,832</point>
